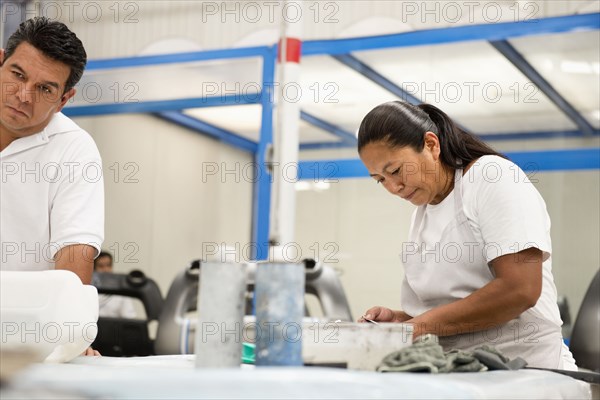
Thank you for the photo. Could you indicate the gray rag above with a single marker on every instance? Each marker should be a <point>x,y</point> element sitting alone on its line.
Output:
<point>426,355</point>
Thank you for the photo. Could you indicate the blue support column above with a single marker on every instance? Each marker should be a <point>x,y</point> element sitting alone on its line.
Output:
<point>261,198</point>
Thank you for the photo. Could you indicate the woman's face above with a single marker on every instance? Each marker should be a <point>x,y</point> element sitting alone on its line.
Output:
<point>416,177</point>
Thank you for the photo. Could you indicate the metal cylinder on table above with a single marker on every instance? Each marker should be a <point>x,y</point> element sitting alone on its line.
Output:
<point>279,295</point>
<point>221,300</point>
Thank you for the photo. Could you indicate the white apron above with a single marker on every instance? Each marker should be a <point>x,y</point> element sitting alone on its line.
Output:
<point>433,279</point>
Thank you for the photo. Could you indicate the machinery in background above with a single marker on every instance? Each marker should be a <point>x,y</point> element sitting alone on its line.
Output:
<point>176,324</point>
<point>585,337</point>
<point>123,336</point>
<point>176,329</point>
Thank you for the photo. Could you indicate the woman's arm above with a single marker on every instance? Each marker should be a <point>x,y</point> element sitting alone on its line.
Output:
<point>516,288</point>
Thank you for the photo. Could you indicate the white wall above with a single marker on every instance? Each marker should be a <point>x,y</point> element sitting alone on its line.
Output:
<point>161,212</point>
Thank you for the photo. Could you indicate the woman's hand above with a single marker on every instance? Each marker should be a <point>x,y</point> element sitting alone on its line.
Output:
<point>383,314</point>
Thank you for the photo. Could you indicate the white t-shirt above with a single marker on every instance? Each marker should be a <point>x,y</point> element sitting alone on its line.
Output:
<point>51,195</point>
<point>506,214</point>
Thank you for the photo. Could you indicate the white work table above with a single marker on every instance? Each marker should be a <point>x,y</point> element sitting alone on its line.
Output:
<point>174,377</point>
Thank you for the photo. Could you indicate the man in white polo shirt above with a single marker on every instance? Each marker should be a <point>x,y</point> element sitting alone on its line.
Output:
<point>51,189</point>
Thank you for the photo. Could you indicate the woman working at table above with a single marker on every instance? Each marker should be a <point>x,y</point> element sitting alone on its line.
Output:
<point>478,260</point>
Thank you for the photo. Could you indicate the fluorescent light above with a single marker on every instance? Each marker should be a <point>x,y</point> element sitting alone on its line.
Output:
<point>576,67</point>
<point>303,186</point>
<point>321,185</point>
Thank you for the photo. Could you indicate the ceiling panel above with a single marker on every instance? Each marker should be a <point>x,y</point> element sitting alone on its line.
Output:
<point>571,64</point>
<point>473,83</point>
<point>171,81</point>
<point>245,121</point>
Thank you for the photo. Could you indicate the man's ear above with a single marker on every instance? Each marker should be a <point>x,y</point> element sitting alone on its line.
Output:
<point>65,97</point>
<point>2,53</point>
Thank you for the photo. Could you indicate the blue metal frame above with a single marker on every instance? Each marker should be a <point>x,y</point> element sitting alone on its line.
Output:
<point>488,137</point>
<point>527,69</point>
<point>346,136</point>
<point>178,58</point>
<point>363,69</point>
<point>213,131</point>
<point>162,105</point>
<point>488,32</point>
<point>334,169</point>
<point>325,145</point>
<point>529,161</point>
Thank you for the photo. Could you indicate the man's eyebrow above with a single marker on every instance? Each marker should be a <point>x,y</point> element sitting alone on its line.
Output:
<point>16,66</point>
<point>21,70</point>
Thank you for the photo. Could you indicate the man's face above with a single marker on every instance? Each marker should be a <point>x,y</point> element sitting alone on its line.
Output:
<point>103,264</point>
<point>31,91</point>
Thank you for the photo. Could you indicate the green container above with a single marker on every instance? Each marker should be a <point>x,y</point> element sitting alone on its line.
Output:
<point>248,353</point>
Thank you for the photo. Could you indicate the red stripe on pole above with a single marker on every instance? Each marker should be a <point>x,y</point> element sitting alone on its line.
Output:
<point>293,50</point>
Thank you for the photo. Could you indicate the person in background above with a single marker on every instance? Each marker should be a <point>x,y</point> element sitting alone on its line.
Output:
<point>477,261</point>
<point>112,306</point>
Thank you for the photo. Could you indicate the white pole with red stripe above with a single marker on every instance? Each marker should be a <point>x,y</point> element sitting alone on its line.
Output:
<point>286,134</point>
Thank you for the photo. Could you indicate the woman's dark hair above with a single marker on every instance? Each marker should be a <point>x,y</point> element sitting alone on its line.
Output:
<point>55,41</point>
<point>400,124</point>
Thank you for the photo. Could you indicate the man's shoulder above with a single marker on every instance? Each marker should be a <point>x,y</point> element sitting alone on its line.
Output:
<point>60,123</point>
<point>64,132</point>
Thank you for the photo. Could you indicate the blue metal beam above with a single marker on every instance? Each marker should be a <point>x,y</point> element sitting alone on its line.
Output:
<point>362,68</point>
<point>177,58</point>
<point>508,51</point>
<point>213,131</point>
<point>320,170</point>
<point>487,32</point>
<point>488,137</point>
<point>557,160</point>
<point>326,145</point>
<point>162,105</point>
<point>497,137</point>
<point>529,161</point>
<point>329,127</point>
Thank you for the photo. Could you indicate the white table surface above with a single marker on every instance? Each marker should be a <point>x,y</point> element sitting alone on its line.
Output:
<point>174,377</point>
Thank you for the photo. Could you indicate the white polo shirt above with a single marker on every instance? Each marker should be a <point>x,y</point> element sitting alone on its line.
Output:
<point>51,195</point>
